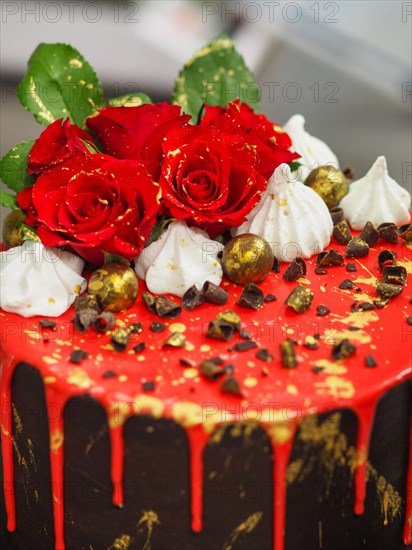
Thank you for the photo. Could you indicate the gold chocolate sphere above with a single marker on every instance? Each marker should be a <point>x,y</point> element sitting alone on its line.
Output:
<point>247,259</point>
<point>12,228</point>
<point>329,183</point>
<point>115,286</point>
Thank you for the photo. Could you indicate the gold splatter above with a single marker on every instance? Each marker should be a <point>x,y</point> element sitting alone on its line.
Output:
<point>56,440</point>
<point>17,420</point>
<point>330,367</point>
<point>177,327</point>
<point>121,543</point>
<point>335,387</point>
<point>49,360</point>
<point>79,377</point>
<point>49,379</point>
<point>148,520</point>
<point>245,527</point>
<point>75,63</point>
<point>292,389</point>
<point>190,373</point>
<point>205,347</point>
<point>250,382</point>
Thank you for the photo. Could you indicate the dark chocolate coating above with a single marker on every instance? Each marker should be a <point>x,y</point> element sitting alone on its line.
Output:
<point>237,482</point>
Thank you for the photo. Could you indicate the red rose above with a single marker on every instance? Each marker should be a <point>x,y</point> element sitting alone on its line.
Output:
<point>93,204</point>
<point>57,143</point>
<point>137,132</point>
<point>269,142</point>
<point>205,179</point>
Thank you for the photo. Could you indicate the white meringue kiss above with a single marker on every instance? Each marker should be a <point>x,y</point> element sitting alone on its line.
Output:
<point>291,217</point>
<point>314,151</point>
<point>36,280</point>
<point>377,198</point>
<point>183,256</point>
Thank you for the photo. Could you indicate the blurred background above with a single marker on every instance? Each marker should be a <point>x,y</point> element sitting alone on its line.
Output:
<point>345,65</point>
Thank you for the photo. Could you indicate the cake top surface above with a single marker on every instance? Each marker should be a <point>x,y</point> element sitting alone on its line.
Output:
<point>164,380</point>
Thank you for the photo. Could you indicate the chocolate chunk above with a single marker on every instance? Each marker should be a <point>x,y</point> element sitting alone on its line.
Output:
<point>167,309</point>
<point>356,248</point>
<point>330,258</point>
<point>220,330</point>
<point>186,362</point>
<point>341,232</point>
<point>109,374</point>
<point>386,256</point>
<point>86,301</point>
<point>85,318</point>
<point>157,327</point>
<point>264,355</point>
<point>231,385</point>
<point>245,335</point>
<point>211,370</point>
<point>105,321</point>
<point>336,214</point>
<point>320,271</point>
<point>288,355</point>
<point>409,320</point>
<point>46,323</point>
<point>192,298</point>
<point>389,232</point>
<point>243,346</point>
<point>317,370</point>
<point>369,234</point>
<point>347,284</point>
<point>405,232</point>
<point>296,269</point>
<point>136,328</point>
<point>311,344</point>
<point>149,385</point>
<point>321,311</point>
<point>217,360</point>
<point>381,303</point>
<point>370,361</point>
<point>300,299</point>
<point>77,356</point>
<point>349,174</point>
<point>229,368</point>
<point>276,265</point>
<point>120,338</point>
<point>252,297</point>
<point>149,301</point>
<point>229,317</point>
<point>176,340</point>
<point>388,291</point>
<point>394,274</point>
<point>215,294</point>
<point>352,328</point>
<point>138,348</point>
<point>351,267</point>
<point>366,306</point>
<point>270,298</point>
<point>343,350</point>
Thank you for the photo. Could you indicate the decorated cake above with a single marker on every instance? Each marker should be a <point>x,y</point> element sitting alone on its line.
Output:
<point>206,324</point>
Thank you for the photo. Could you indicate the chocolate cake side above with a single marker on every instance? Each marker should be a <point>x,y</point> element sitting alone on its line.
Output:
<point>237,481</point>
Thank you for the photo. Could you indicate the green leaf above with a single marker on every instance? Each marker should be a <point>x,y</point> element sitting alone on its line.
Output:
<point>109,258</point>
<point>9,200</point>
<point>130,100</point>
<point>13,167</point>
<point>216,75</point>
<point>294,165</point>
<point>60,83</point>
<point>29,233</point>
<point>158,229</point>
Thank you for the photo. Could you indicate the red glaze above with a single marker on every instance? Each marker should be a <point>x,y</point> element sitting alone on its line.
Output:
<point>277,401</point>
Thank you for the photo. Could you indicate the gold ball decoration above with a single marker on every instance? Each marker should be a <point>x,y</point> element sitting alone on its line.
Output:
<point>329,183</point>
<point>115,286</point>
<point>12,228</point>
<point>247,259</point>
